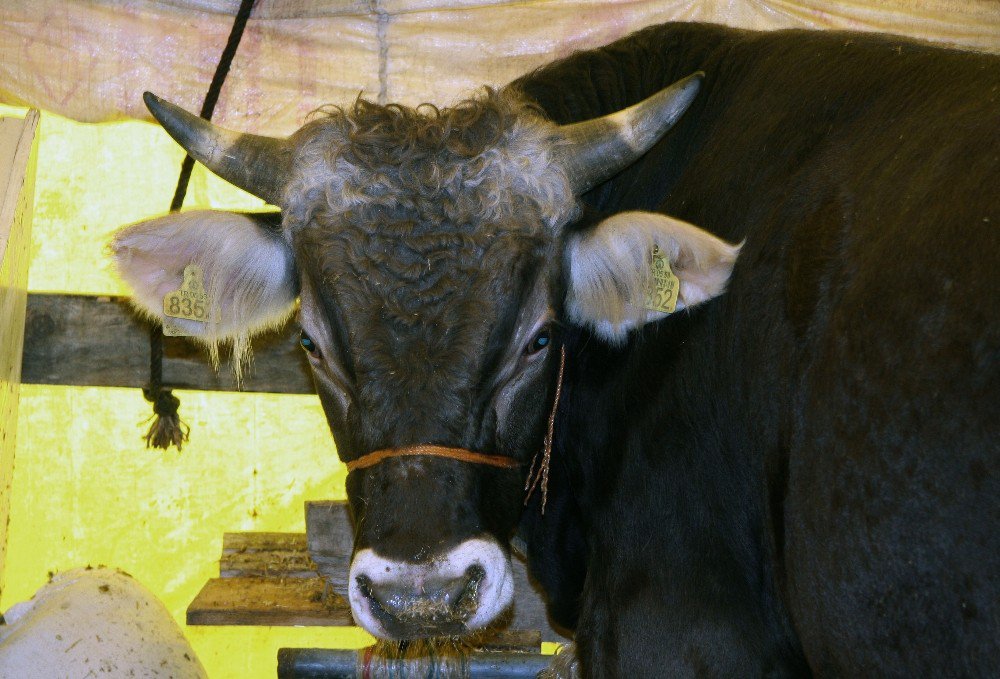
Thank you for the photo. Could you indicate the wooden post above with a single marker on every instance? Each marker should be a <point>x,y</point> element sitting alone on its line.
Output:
<point>18,152</point>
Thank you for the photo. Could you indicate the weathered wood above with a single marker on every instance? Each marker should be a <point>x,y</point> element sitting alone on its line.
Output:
<point>87,340</point>
<point>18,153</point>
<point>276,555</point>
<point>262,541</point>
<point>268,601</point>
<point>330,539</point>
<point>267,564</point>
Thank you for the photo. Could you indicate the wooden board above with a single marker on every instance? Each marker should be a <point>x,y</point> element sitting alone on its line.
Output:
<point>85,340</point>
<point>330,540</point>
<point>268,601</point>
<point>280,555</point>
<point>18,153</point>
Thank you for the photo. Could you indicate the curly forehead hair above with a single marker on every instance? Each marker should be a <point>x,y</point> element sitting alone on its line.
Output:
<point>423,219</point>
<point>488,157</point>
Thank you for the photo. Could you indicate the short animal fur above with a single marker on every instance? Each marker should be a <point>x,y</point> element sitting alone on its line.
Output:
<point>791,475</point>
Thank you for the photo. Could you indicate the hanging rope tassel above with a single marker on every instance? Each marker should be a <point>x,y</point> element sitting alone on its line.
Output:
<point>541,475</point>
<point>167,428</point>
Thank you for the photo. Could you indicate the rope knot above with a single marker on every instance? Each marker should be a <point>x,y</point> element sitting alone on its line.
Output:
<point>167,428</point>
<point>165,404</point>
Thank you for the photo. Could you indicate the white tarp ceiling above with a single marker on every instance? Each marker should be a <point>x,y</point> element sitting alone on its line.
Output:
<point>91,60</point>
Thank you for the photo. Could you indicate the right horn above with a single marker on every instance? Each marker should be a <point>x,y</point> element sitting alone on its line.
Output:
<point>254,163</point>
<point>593,151</point>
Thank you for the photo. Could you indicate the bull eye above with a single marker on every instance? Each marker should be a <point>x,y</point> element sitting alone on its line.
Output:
<point>305,341</point>
<point>539,342</point>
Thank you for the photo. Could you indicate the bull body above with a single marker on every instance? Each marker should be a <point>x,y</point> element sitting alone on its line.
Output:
<point>795,477</point>
<point>798,475</point>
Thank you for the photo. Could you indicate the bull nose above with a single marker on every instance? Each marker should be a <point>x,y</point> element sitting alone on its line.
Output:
<point>451,594</point>
<point>435,606</point>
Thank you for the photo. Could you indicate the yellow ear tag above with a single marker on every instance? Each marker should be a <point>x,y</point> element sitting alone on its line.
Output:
<point>662,294</point>
<point>189,303</point>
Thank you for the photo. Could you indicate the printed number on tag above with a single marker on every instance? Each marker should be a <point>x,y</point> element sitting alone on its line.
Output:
<point>190,302</point>
<point>662,295</point>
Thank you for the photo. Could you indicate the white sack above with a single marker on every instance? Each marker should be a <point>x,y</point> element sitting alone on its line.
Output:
<point>97,622</point>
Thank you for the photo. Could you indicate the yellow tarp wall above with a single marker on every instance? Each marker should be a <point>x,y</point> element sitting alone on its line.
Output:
<point>85,489</point>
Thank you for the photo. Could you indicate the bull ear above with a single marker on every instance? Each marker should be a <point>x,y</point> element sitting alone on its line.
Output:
<point>611,270</point>
<point>249,272</point>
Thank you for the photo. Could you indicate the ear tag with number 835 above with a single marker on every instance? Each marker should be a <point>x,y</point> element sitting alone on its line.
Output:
<point>190,302</point>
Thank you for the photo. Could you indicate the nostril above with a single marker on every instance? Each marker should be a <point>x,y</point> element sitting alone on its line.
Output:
<point>468,598</point>
<point>365,587</point>
<point>476,572</point>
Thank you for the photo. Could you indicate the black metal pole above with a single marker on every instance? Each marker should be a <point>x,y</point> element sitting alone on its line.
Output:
<point>319,663</point>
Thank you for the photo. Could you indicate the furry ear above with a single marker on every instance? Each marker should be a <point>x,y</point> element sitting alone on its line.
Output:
<point>611,272</point>
<point>249,272</point>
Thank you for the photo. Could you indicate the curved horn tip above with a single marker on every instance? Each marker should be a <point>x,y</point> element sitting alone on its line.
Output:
<point>693,80</point>
<point>155,104</point>
<point>160,107</point>
<point>601,147</point>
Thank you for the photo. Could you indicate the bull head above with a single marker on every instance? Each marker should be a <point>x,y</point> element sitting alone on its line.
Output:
<point>430,253</point>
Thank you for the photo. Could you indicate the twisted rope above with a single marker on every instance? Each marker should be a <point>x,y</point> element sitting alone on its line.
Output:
<point>168,429</point>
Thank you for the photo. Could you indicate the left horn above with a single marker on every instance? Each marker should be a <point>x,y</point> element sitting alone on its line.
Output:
<point>254,163</point>
<point>595,150</point>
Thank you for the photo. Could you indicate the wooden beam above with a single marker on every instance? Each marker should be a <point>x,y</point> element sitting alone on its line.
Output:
<point>268,601</point>
<point>258,554</point>
<point>18,159</point>
<point>87,340</point>
<point>330,541</point>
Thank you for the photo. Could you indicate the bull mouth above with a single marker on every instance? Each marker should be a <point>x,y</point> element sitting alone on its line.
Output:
<point>416,614</point>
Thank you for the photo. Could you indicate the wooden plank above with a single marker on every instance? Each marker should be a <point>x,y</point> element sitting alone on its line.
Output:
<point>18,154</point>
<point>259,554</point>
<point>330,540</point>
<point>268,601</point>
<point>276,564</point>
<point>261,541</point>
<point>87,340</point>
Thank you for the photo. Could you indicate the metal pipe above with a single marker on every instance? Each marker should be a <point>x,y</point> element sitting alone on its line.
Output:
<point>319,663</point>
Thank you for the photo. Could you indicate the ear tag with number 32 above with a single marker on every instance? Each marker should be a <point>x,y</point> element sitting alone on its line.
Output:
<point>190,302</point>
<point>662,294</point>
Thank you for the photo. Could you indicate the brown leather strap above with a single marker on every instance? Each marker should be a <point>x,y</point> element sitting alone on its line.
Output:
<point>461,454</point>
